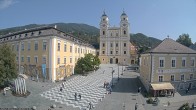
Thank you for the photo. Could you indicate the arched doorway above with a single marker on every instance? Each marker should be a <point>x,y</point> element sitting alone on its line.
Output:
<point>111,60</point>
<point>116,60</point>
<point>132,61</point>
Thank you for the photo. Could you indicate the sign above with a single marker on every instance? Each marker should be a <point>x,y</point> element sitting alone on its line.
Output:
<point>44,70</point>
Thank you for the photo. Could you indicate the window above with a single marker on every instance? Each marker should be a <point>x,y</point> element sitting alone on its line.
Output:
<point>160,78</point>
<point>58,60</point>
<point>32,33</point>
<point>26,35</point>
<point>17,59</point>
<point>103,44</point>
<point>65,47</point>
<point>70,60</point>
<point>192,61</point>
<point>125,44</point>
<point>124,52</point>
<point>173,63</point>
<point>29,46</point>
<point>40,32</point>
<point>116,52</point>
<point>75,50</point>
<point>103,52</point>
<point>43,59</point>
<point>36,59</point>
<point>64,60</point>
<point>124,32</point>
<point>103,32</point>
<point>17,47</point>
<point>22,46</point>
<point>161,63</point>
<point>111,52</point>
<point>191,76</point>
<point>70,48</point>
<point>22,59</point>
<point>44,45</point>
<point>81,50</point>
<point>59,46</point>
<point>172,77</point>
<point>183,62</point>
<point>36,45</point>
<point>116,44</point>
<point>28,59</point>
<point>182,77</point>
<point>116,34</point>
<point>111,34</point>
<point>78,50</point>
<point>111,45</point>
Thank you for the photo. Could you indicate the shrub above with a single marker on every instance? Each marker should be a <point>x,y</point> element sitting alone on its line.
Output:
<point>185,107</point>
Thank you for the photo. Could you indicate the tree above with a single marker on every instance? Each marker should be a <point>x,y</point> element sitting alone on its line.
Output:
<point>184,40</point>
<point>7,65</point>
<point>86,64</point>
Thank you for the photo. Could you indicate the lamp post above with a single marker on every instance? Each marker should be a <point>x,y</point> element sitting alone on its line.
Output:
<point>118,71</point>
<point>112,75</point>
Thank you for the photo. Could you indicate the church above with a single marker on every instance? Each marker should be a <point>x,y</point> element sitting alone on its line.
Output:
<point>115,46</point>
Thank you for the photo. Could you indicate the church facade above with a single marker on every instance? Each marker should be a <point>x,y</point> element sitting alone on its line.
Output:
<point>115,46</point>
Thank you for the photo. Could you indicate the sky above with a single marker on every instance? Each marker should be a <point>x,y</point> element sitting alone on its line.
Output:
<point>154,18</point>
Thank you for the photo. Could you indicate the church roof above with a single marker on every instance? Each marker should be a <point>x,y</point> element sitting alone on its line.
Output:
<point>170,46</point>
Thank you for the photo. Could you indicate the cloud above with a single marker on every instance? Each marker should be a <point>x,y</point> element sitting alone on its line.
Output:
<point>6,3</point>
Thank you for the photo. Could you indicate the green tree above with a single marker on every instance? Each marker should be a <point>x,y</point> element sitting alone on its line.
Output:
<point>86,64</point>
<point>184,40</point>
<point>7,65</point>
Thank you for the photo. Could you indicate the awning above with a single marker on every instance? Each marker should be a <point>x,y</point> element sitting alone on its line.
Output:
<point>162,86</point>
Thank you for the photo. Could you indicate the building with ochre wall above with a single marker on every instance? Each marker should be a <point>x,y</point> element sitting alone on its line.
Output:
<point>168,64</point>
<point>115,43</point>
<point>48,46</point>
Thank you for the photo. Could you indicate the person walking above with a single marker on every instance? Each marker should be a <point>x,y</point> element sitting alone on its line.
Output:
<point>75,95</point>
<point>61,89</point>
<point>63,85</point>
<point>136,106</point>
<point>79,96</point>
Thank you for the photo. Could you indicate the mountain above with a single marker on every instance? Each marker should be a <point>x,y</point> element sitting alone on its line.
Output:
<point>142,40</point>
<point>83,31</point>
<point>87,33</point>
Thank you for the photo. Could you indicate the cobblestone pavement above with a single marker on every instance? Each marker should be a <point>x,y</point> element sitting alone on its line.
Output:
<point>123,97</point>
<point>90,87</point>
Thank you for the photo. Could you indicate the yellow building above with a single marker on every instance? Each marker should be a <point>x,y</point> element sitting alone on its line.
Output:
<point>169,64</point>
<point>115,46</point>
<point>47,47</point>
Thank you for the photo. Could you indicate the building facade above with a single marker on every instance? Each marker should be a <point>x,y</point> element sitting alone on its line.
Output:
<point>169,62</point>
<point>115,46</point>
<point>49,48</point>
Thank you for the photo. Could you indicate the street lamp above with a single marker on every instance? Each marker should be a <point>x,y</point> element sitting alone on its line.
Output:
<point>112,75</point>
<point>118,71</point>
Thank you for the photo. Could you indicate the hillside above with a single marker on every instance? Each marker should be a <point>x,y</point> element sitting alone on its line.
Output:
<point>88,33</point>
<point>84,31</point>
<point>142,40</point>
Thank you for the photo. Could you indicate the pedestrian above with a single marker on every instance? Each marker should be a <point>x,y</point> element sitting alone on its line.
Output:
<point>75,95</point>
<point>90,106</point>
<point>63,85</point>
<point>104,84</point>
<point>61,89</point>
<point>4,92</point>
<point>79,96</point>
<point>186,91</point>
<point>136,106</point>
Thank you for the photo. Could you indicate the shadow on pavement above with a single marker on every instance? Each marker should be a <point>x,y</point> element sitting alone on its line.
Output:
<point>191,92</point>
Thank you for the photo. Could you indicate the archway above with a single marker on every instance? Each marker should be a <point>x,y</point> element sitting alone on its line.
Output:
<point>132,61</point>
<point>116,60</point>
<point>111,60</point>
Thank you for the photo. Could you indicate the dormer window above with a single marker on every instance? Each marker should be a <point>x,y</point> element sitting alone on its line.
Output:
<point>19,35</point>
<point>26,35</point>
<point>32,33</point>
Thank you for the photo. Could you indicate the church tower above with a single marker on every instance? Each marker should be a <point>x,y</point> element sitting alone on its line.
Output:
<point>114,41</point>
